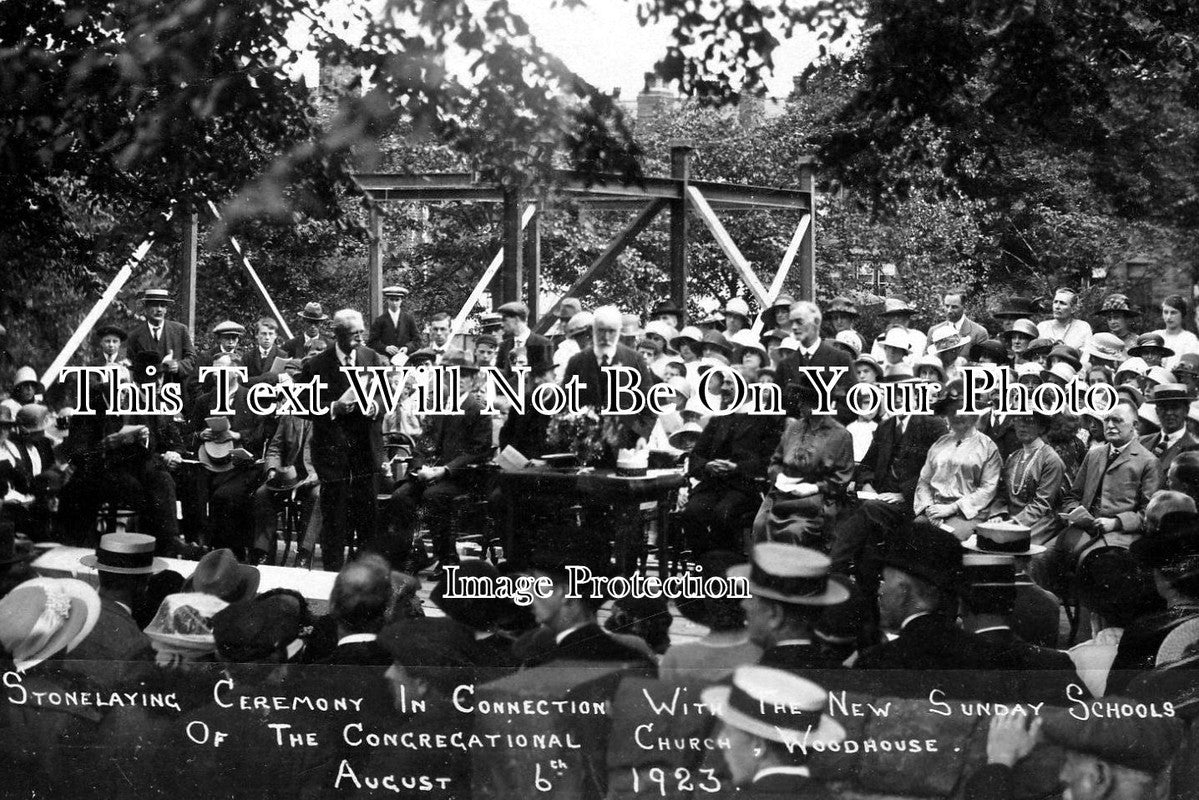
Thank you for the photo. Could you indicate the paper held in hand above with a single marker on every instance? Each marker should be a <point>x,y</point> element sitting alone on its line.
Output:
<point>794,486</point>
<point>510,459</point>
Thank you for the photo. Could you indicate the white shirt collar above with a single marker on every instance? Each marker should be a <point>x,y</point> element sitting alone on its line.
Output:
<point>911,617</point>
<point>1172,438</point>
<point>961,323</point>
<point>341,356</point>
<point>762,773</point>
<point>994,628</point>
<point>792,641</point>
<point>810,351</point>
<point>355,638</point>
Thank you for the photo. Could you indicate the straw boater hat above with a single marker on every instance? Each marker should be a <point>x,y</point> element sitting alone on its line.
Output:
<point>775,705</point>
<point>314,312</point>
<point>395,291</point>
<point>1006,538</point>
<point>865,360</point>
<point>991,570</point>
<point>44,616</point>
<point>790,574</point>
<point>125,554</point>
<point>156,296</point>
<point>1171,392</point>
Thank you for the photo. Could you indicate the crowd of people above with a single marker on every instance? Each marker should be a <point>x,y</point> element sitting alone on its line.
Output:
<point>1031,558</point>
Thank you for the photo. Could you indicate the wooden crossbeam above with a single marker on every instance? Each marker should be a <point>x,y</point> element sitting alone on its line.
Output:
<point>740,263</point>
<point>614,249</point>
<point>776,285</point>
<point>488,274</point>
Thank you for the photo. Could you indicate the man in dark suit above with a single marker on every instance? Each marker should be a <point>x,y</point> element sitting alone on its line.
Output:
<point>347,445</point>
<point>170,340</point>
<point>311,318</point>
<point>729,461</point>
<point>459,443</point>
<point>918,599</point>
<point>358,603</point>
<point>1109,495</point>
<point>1033,674</point>
<point>395,329</point>
<point>814,352</point>
<point>259,357</point>
<point>890,469</point>
<point>116,648</point>
<point>1173,402</point>
<point>518,335</point>
<point>572,621</point>
<point>789,590</point>
<point>953,303</point>
<point>769,719</point>
<point>606,351</point>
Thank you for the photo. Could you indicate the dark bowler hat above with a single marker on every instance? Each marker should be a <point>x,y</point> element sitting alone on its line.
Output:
<point>109,329</point>
<point>254,630</point>
<point>313,312</point>
<point>125,554</point>
<point>1150,343</point>
<point>1171,393</point>
<point>395,290</point>
<point>1008,538</point>
<point>1145,744</point>
<point>790,574</point>
<point>156,296</point>
<point>929,553</point>
<point>220,575</point>
<point>1016,307</point>
<point>146,367</point>
<point>514,308</point>
<point>1117,304</point>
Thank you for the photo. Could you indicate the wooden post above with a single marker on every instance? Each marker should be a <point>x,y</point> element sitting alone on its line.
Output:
<point>807,248</point>
<point>533,265</point>
<point>374,262</point>
<point>513,280</point>
<point>187,270</point>
<point>680,170</point>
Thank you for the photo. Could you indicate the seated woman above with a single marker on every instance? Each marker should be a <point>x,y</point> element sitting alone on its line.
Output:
<point>808,473</point>
<point>1031,479</point>
<point>961,474</point>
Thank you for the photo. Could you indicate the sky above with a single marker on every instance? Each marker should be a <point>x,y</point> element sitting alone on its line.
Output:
<point>604,43</point>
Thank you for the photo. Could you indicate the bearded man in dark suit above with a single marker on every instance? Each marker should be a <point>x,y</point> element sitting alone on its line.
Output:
<point>171,340</point>
<point>347,445</point>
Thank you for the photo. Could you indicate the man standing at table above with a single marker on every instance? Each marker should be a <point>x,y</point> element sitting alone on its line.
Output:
<point>347,445</point>
<point>395,329</point>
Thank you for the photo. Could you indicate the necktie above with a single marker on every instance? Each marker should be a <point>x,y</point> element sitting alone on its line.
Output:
<point>1161,446</point>
<point>605,361</point>
<point>156,333</point>
<point>1097,500</point>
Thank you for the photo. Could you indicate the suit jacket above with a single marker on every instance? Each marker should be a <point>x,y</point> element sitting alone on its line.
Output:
<point>115,649</point>
<point>360,654</point>
<point>257,367</point>
<point>590,643</point>
<point>460,440</point>
<point>291,446</point>
<point>971,330</point>
<point>779,785</point>
<point>827,356</point>
<point>44,448</point>
<point>350,444</point>
<point>175,339</point>
<point>1128,483</point>
<point>1036,673</point>
<point>294,347</point>
<point>798,657</point>
<point>893,462</point>
<point>384,333</point>
<point>586,367</point>
<point>748,440</point>
<point>527,432</point>
<point>1003,434</point>
<point>1185,443</point>
<point>932,652</point>
<point>534,343</point>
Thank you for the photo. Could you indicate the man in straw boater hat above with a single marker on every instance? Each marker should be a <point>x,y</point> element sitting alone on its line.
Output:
<point>394,330</point>
<point>789,589</point>
<point>1105,758</point>
<point>918,600</point>
<point>171,341</point>
<point>771,719</point>
<point>117,649</point>
<point>310,331</point>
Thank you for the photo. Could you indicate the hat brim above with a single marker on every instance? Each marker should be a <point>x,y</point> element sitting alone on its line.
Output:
<point>90,560</point>
<point>827,732</point>
<point>213,466</point>
<point>833,594</point>
<point>922,571</point>
<point>82,618</point>
<point>972,544</point>
<point>1141,350</point>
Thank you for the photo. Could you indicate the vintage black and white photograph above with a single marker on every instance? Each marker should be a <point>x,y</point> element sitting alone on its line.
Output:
<point>599,399</point>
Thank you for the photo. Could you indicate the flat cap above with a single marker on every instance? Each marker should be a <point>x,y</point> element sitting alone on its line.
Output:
<point>514,309</point>
<point>1131,737</point>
